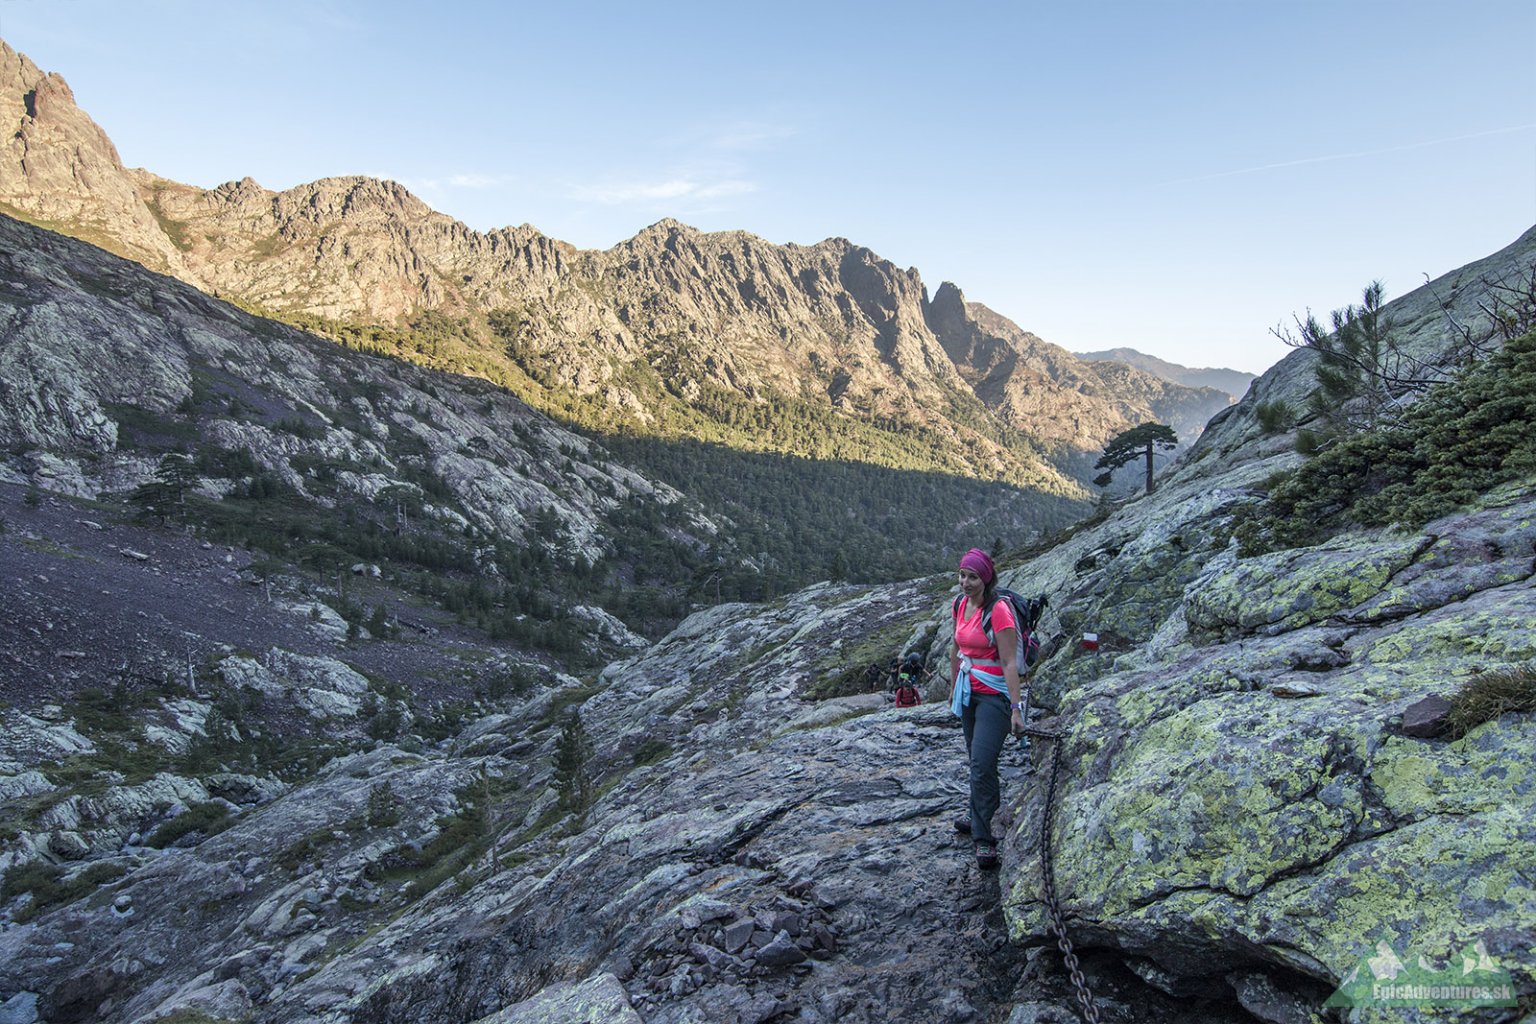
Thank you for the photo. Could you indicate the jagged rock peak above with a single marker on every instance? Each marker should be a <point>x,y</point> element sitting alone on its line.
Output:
<point>59,166</point>
<point>948,301</point>
<point>245,186</point>
<point>949,292</point>
<point>47,102</point>
<point>668,226</point>
<point>350,194</point>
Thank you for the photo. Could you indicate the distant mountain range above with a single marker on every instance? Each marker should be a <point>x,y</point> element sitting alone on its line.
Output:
<point>674,333</point>
<point>1233,382</point>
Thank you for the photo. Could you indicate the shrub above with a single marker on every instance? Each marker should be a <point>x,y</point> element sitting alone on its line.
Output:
<point>1460,440</point>
<point>304,849</point>
<point>513,681</point>
<point>299,427</point>
<point>34,877</point>
<point>651,751</point>
<point>461,838</point>
<point>209,818</point>
<point>387,722</point>
<point>850,682</point>
<point>1274,416</point>
<point>383,805</point>
<point>48,888</point>
<point>1490,695</point>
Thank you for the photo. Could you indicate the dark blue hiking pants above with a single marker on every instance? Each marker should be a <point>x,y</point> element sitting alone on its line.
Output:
<point>986,721</point>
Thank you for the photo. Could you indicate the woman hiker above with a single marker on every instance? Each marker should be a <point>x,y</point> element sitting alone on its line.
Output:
<point>987,695</point>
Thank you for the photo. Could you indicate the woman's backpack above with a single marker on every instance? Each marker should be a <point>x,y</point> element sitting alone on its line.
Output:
<point>1026,611</point>
<point>907,678</point>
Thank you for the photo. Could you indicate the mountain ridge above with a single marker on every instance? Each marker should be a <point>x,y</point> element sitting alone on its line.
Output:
<point>1233,382</point>
<point>830,323</point>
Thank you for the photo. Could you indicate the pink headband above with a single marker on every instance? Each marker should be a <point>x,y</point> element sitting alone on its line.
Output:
<point>980,563</point>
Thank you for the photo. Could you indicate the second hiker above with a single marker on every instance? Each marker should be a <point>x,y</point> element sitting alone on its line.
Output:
<point>986,696</point>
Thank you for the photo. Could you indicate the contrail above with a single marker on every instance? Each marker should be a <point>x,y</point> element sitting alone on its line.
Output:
<point>1349,156</point>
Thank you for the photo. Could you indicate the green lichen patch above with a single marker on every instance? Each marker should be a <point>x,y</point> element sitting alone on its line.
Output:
<point>1226,795</point>
<point>1291,589</point>
<point>1494,632</point>
<point>1433,886</point>
<point>1484,771</point>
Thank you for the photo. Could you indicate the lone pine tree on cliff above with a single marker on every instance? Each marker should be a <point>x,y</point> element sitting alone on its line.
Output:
<point>1138,442</point>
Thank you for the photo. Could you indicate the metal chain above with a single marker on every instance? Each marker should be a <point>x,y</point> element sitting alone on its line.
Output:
<point>1090,1012</point>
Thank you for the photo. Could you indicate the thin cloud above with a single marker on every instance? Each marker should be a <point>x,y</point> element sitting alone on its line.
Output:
<point>748,136</point>
<point>1349,156</point>
<point>477,180</point>
<point>726,188</point>
<point>457,181</point>
<point>650,192</point>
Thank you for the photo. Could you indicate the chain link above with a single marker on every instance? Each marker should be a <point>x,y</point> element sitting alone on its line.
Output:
<point>1090,1012</point>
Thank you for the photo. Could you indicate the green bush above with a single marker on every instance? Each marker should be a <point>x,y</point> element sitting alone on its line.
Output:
<point>385,723</point>
<point>299,427</point>
<point>651,751</point>
<point>48,888</point>
<point>1490,695</point>
<point>850,682</point>
<point>208,818</point>
<point>305,848</point>
<point>383,805</point>
<point>1274,416</point>
<point>1460,440</point>
<point>461,838</point>
<point>516,680</point>
<point>34,877</point>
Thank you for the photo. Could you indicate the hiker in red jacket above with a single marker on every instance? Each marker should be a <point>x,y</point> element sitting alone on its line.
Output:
<point>907,695</point>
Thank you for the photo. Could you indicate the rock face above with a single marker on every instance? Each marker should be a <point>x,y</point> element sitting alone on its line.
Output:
<point>88,336</point>
<point>1054,395</point>
<point>1240,816</point>
<point>60,168</point>
<point>832,324</point>
<point>753,855</point>
<point>1242,783</point>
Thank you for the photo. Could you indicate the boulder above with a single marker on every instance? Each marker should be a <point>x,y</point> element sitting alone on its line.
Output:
<point>600,999</point>
<point>1427,717</point>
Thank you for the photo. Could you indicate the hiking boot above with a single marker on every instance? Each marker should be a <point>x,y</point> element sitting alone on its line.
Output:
<point>963,824</point>
<point>986,856</point>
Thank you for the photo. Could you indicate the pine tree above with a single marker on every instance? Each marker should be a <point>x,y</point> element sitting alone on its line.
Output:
<point>1129,445</point>
<point>1361,372</point>
<point>572,778</point>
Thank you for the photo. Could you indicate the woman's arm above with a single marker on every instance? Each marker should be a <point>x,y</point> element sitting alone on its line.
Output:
<point>954,666</point>
<point>1008,654</point>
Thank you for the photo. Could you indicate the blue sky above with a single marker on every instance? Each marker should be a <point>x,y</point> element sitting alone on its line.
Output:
<point>1178,176</point>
